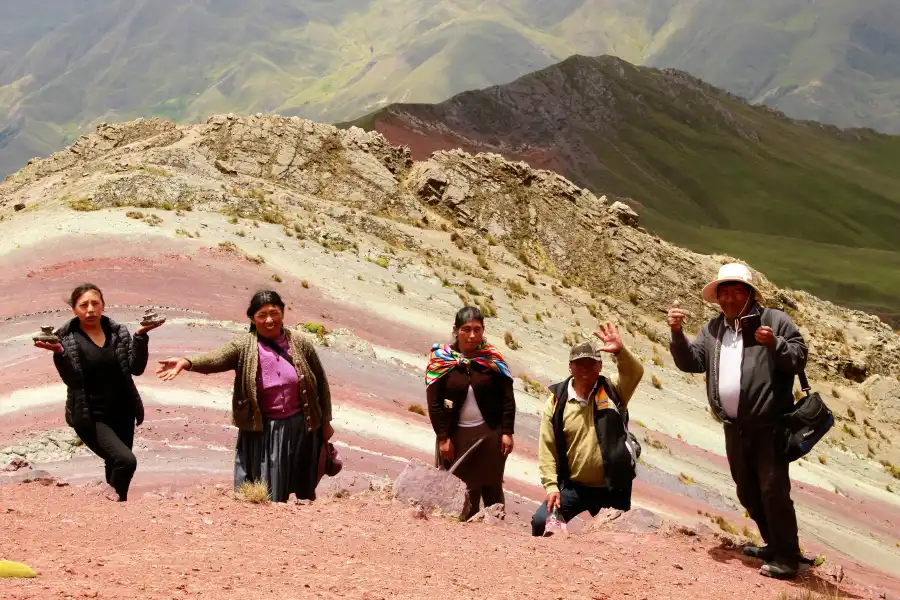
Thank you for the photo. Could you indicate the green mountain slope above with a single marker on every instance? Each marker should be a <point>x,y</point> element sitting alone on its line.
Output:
<point>811,204</point>
<point>828,60</point>
<point>66,65</point>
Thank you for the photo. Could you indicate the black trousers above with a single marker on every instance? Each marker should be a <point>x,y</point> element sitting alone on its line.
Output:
<point>574,499</point>
<point>112,440</point>
<point>764,487</point>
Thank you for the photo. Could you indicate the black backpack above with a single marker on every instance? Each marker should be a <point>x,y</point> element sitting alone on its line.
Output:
<point>806,424</point>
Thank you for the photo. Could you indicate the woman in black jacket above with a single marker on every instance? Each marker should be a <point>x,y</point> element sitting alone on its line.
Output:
<point>96,359</point>
<point>470,396</point>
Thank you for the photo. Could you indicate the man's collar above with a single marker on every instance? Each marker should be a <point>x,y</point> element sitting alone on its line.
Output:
<point>573,395</point>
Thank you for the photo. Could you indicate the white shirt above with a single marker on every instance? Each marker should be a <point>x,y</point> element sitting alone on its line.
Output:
<point>470,415</point>
<point>573,395</point>
<point>731,357</point>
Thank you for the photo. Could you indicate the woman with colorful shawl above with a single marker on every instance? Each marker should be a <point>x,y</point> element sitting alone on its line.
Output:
<point>470,396</point>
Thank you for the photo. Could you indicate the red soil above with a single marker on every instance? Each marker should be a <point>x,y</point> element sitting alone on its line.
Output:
<point>209,546</point>
<point>208,282</point>
<point>422,146</point>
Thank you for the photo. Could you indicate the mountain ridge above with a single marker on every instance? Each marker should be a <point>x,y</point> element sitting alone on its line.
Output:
<point>707,169</point>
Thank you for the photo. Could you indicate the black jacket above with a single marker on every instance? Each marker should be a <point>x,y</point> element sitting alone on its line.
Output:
<point>132,353</point>
<point>493,393</point>
<point>767,374</point>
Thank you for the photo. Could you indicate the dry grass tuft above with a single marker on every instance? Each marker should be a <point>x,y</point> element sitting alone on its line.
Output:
<point>510,341</point>
<point>515,288</point>
<point>533,387</point>
<point>686,479</point>
<point>654,443</point>
<point>254,492</point>
<point>725,525</point>
<point>416,408</point>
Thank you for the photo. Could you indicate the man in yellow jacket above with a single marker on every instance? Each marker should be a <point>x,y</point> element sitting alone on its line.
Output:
<point>586,456</point>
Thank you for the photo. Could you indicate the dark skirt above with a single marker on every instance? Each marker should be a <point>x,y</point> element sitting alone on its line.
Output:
<point>284,454</point>
<point>484,467</point>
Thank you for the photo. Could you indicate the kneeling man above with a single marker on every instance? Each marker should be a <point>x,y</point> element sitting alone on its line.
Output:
<point>586,457</point>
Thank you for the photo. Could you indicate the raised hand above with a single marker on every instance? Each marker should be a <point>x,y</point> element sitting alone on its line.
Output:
<point>170,368</point>
<point>609,335</point>
<point>676,317</point>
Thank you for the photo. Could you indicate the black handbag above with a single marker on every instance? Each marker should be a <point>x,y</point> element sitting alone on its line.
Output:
<point>806,424</point>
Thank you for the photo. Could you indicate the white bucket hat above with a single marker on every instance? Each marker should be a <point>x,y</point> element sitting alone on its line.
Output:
<point>727,273</point>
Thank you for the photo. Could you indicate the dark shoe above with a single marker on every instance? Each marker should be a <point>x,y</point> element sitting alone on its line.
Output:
<point>763,553</point>
<point>778,570</point>
<point>804,560</point>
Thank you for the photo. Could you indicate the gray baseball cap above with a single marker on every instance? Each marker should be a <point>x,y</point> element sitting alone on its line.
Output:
<point>584,350</point>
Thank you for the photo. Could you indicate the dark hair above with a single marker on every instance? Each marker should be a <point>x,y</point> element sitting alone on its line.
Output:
<point>83,289</point>
<point>466,314</point>
<point>259,300</point>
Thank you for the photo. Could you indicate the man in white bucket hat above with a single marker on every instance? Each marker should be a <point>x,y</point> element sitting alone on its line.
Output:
<point>750,355</point>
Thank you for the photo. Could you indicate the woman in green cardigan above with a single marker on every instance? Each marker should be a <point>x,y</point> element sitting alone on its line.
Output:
<point>281,403</point>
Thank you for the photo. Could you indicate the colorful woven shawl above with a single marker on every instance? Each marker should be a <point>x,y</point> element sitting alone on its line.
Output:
<point>444,359</point>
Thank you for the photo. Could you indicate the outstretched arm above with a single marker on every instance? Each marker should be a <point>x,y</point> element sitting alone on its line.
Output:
<point>224,359</point>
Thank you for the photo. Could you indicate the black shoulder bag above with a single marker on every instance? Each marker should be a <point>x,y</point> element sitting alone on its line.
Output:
<point>807,423</point>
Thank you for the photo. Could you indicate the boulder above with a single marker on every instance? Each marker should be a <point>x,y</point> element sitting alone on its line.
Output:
<point>835,572</point>
<point>492,515</point>
<point>432,489</point>
<point>624,214</point>
<point>636,520</point>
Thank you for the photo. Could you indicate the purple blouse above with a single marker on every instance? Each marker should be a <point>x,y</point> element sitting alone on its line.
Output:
<point>277,383</point>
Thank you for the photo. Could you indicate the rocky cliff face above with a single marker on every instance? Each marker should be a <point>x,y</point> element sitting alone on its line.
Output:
<point>536,220</point>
